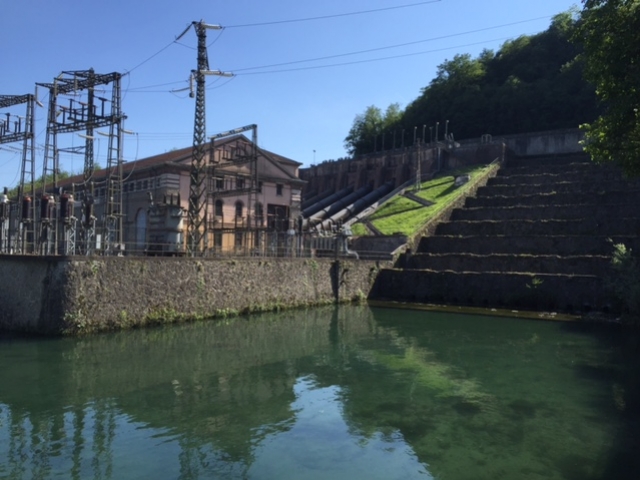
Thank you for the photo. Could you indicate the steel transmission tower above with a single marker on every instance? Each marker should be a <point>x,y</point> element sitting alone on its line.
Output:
<point>76,116</point>
<point>12,129</point>
<point>197,224</point>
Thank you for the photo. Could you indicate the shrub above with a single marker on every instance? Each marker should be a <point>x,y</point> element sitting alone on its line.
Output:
<point>624,283</point>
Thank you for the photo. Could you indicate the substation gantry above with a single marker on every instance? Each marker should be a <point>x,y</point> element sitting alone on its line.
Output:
<point>75,107</point>
<point>199,177</point>
<point>17,220</point>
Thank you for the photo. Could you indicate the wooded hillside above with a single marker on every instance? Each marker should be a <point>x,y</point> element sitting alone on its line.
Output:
<point>532,83</point>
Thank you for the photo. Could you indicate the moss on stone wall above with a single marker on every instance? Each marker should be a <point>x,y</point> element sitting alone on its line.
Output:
<point>102,294</point>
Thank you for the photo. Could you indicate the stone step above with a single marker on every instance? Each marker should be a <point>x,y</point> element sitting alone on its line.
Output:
<point>562,187</point>
<point>569,293</point>
<point>599,198</point>
<point>527,244</point>
<point>581,226</point>
<point>467,262</point>
<point>545,160</point>
<point>588,212</point>
<point>555,178</point>
<point>587,167</point>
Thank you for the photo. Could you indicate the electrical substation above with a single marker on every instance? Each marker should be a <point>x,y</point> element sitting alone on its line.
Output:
<point>222,195</point>
<point>51,214</point>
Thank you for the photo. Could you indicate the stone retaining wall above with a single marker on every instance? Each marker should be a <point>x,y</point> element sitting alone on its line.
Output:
<point>53,295</point>
<point>527,291</point>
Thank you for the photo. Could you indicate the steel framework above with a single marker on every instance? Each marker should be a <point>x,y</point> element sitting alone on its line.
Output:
<point>13,131</point>
<point>82,116</point>
<point>197,224</point>
<point>196,227</point>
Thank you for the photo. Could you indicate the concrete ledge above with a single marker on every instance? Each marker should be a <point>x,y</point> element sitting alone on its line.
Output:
<point>75,295</point>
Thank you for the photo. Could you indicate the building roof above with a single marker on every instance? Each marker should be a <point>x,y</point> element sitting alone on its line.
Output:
<point>181,158</point>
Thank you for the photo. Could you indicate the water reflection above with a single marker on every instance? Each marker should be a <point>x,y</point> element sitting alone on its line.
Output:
<point>344,392</point>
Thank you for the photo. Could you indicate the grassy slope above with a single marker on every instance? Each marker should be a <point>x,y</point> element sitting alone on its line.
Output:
<point>402,215</point>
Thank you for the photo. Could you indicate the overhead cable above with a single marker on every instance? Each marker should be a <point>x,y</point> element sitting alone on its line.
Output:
<point>324,17</point>
<point>391,46</point>
<point>313,67</point>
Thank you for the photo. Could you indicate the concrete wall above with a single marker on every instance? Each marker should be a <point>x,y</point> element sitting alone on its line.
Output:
<point>556,142</point>
<point>74,295</point>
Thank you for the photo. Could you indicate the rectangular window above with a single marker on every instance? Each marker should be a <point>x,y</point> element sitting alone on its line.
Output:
<point>239,183</point>
<point>279,189</point>
<point>219,183</point>
<point>239,239</point>
<point>259,187</point>
<point>217,239</point>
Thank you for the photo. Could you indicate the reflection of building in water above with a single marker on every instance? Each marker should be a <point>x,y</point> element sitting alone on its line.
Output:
<point>218,389</point>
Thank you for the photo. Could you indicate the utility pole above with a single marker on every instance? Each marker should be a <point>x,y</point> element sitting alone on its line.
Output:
<point>197,224</point>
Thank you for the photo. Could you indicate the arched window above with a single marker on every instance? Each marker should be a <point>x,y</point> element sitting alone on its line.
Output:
<point>239,208</point>
<point>219,205</point>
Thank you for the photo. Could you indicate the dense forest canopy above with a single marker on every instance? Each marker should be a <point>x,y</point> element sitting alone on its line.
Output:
<point>533,83</point>
<point>610,33</point>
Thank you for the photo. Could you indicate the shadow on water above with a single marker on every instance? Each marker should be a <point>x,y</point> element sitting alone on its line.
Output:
<point>622,377</point>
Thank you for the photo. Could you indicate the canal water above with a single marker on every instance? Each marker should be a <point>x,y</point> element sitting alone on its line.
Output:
<point>347,392</point>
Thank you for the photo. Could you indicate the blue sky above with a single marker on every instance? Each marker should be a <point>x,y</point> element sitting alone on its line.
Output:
<point>302,112</point>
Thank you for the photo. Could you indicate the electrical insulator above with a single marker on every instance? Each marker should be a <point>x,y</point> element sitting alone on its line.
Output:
<point>88,212</point>
<point>44,207</point>
<point>66,206</point>
<point>26,208</point>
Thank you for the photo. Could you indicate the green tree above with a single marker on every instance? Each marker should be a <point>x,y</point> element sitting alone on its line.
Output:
<point>610,34</point>
<point>62,174</point>
<point>533,82</point>
<point>366,134</point>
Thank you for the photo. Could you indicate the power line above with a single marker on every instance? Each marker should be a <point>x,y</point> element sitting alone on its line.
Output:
<point>391,46</point>
<point>216,39</point>
<point>324,17</point>
<point>137,89</point>
<point>313,67</point>
<point>151,57</point>
<point>327,57</point>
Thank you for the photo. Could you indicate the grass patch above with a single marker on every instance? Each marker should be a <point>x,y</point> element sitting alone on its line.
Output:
<point>402,215</point>
<point>359,230</point>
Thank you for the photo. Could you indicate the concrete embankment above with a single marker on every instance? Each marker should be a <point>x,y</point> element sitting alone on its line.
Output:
<point>75,295</point>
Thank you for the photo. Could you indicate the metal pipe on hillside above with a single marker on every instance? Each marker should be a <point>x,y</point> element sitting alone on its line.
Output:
<point>316,198</point>
<point>326,202</point>
<point>356,207</point>
<point>335,207</point>
<point>344,202</point>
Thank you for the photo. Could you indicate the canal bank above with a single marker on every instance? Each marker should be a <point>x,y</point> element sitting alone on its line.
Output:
<point>76,295</point>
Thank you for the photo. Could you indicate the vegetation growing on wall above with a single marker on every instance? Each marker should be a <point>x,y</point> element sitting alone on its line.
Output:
<point>533,83</point>
<point>625,283</point>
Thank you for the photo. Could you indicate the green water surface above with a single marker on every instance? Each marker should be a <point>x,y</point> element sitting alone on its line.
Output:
<point>333,393</point>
